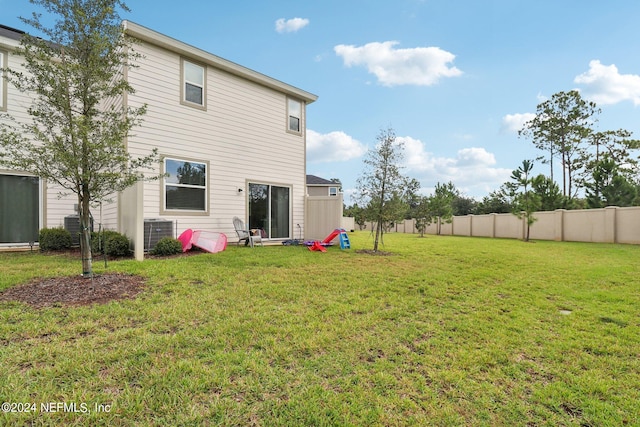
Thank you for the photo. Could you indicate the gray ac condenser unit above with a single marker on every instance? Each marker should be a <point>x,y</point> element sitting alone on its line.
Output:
<point>154,230</point>
<point>72,225</point>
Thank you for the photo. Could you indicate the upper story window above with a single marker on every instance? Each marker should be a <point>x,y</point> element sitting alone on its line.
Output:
<point>3,82</point>
<point>193,84</point>
<point>185,185</point>
<point>333,191</point>
<point>294,114</point>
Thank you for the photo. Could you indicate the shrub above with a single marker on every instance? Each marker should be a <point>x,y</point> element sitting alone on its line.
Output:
<point>111,243</point>
<point>54,239</point>
<point>117,245</point>
<point>167,246</point>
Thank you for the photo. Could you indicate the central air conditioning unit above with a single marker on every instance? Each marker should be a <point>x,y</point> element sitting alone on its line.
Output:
<point>154,230</point>
<point>72,225</point>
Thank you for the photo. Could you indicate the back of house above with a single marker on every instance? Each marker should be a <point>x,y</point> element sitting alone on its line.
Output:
<point>232,142</point>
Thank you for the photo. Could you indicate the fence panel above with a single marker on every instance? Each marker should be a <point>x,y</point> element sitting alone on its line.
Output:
<point>545,226</point>
<point>628,225</point>
<point>607,225</point>
<point>483,225</point>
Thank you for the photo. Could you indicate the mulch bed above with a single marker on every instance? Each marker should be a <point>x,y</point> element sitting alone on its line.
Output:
<point>76,290</point>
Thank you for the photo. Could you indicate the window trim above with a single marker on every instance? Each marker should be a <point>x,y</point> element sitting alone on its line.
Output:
<point>334,193</point>
<point>183,83</point>
<point>42,188</point>
<point>300,118</point>
<point>163,188</point>
<point>4,59</point>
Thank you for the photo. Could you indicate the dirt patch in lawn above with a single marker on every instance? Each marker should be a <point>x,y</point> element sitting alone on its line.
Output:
<point>374,253</point>
<point>76,290</point>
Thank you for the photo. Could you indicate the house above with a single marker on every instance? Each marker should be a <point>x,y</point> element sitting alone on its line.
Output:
<point>239,133</point>
<point>317,186</point>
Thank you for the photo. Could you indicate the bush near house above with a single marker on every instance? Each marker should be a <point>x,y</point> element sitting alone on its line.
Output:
<point>167,246</point>
<point>54,239</point>
<point>111,243</point>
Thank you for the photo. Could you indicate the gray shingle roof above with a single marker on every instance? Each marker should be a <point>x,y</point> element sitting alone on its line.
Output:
<point>10,33</point>
<point>316,180</point>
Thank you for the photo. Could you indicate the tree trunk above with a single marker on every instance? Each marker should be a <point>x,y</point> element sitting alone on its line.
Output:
<point>551,161</point>
<point>378,233</point>
<point>85,235</point>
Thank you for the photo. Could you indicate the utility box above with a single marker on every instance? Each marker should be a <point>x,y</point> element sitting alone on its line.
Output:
<point>154,230</point>
<point>72,225</point>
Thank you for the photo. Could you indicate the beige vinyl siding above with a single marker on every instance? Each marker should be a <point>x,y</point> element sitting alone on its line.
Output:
<point>242,135</point>
<point>53,207</point>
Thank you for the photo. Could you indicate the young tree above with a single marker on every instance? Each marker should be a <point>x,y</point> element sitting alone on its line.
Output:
<point>76,136</point>
<point>422,214</point>
<point>561,126</point>
<point>382,185</point>
<point>441,203</point>
<point>526,202</point>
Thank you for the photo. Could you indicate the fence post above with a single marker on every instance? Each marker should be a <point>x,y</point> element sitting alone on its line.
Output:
<point>493,225</point>
<point>559,225</point>
<point>610,224</point>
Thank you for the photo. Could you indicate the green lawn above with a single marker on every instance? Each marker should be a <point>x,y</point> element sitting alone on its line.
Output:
<point>447,331</point>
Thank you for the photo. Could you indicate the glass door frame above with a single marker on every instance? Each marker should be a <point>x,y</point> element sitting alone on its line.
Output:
<point>267,225</point>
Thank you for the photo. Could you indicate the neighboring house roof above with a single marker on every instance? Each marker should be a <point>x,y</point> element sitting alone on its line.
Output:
<point>316,180</point>
<point>10,33</point>
<point>145,34</point>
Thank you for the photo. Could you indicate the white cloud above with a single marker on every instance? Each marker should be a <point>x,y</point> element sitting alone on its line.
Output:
<point>472,170</point>
<point>421,66</point>
<point>334,146</point>
<point>291,25</point>
<point>515,122</point>
<point>605,85</point>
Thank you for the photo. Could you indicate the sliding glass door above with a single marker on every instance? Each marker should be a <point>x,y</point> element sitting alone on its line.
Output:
<point>19,209</point>
<point>270,210</point>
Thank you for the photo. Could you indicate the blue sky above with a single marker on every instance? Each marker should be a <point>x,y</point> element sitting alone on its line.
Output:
<point>454,78</point>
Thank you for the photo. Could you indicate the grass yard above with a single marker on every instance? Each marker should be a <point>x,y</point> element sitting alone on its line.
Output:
<point>447,331</point>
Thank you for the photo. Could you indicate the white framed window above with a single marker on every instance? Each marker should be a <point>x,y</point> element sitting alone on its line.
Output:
<point>185,186</point>
<point>294,115</point>
<point>3,82</point>
<point>333,191</point>
<point>193,84</point>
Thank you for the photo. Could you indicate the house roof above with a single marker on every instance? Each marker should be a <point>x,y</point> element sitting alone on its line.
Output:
<point>145,34</point>
<point>316,180</point>
<point>10,33</point>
